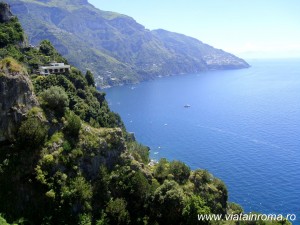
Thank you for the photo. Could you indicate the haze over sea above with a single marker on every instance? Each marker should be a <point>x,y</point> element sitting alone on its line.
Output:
<point>243,126</point>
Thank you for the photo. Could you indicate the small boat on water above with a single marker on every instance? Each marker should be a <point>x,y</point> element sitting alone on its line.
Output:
<point>187,106</point>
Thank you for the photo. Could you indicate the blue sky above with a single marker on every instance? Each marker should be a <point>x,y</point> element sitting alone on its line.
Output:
<point>247,28</point>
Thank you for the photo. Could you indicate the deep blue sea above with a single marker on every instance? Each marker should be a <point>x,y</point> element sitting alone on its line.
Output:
<point>243,126</point>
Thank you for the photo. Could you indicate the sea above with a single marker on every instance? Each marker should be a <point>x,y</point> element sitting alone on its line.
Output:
<point>243,126</point>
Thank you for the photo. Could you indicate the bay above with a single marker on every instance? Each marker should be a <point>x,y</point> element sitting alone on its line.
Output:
<point>242,125</point>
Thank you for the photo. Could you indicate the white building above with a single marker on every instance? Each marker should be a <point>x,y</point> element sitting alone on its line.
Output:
<point>54,68</point>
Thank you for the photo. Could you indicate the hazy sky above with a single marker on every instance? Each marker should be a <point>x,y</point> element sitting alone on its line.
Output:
<point>248,28</point>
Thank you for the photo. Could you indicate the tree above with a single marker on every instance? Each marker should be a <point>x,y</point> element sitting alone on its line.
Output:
<point>194,206</point>
<point>221,196</point>
<point>200,178</point>
<point>133,187</point>
<point>101,193</point>
<point>55,98</point>
<point>11,33</point>
<point>168,203</point>
<point>161,170</point>
<point>32,133</point>
<point>139,152</point>
<point>90,78</point>
<point>73,124</point>
<point>47,48</point>
<point>117,213</point>
<point>48,52</point>
<point>233,208</point>
<point>180,171</point>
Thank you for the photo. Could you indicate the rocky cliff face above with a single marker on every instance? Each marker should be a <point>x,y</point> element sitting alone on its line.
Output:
<point>16,98</point>
<point>5,13</point>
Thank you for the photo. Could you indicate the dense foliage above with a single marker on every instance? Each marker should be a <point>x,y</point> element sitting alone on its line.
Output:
<point>55,98</point>
<point>74,163</point>
<point>11,32</point>
<point>32,133</point>
<point>90,78</point>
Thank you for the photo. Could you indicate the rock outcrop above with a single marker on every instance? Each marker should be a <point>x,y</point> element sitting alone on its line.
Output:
<point>106,151</point>
<point>5,13</point>
<point>16,99</point>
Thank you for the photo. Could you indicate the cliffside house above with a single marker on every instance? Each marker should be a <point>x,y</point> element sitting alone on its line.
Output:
<point>54,68</point>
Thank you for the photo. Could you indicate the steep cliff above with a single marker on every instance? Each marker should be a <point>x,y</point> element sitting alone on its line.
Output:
<point>5,13</point>
<point>65,158</point>
<point>16,97</point>
<point>72,161</point>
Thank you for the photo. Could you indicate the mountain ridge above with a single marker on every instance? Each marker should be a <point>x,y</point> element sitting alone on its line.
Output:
<point>66,158</point>
<point>114,46</point>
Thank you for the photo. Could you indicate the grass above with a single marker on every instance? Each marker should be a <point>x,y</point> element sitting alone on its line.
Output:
<point>10,65</point>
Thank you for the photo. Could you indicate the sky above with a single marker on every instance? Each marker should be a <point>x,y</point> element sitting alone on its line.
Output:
<point>247,28</point>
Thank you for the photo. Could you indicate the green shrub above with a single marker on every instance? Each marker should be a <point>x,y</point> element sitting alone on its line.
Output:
<point>55,98</point>
<point>32,133</point>
<point>200,178</point>
<point>161,170</point>
<point>73,124</point>
<point>168,203</point>
<point>139,152</point>
<point>3,221</point>
<point>90,78</point>
<point>117,212</point>
<point>47,49</point>
<point>180,171</point>
<point>85,219</point>
<point>194,206</point>
<point>11,33</point>
<point>233,208</point>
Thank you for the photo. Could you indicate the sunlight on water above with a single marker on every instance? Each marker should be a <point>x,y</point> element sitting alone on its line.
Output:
<point>242,125</point>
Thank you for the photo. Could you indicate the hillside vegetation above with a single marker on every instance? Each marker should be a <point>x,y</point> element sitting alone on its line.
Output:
<point>65,158</point>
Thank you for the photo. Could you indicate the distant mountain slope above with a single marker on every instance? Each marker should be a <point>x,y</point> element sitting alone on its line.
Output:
<point>113,46</point>
<point>194,50</point>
